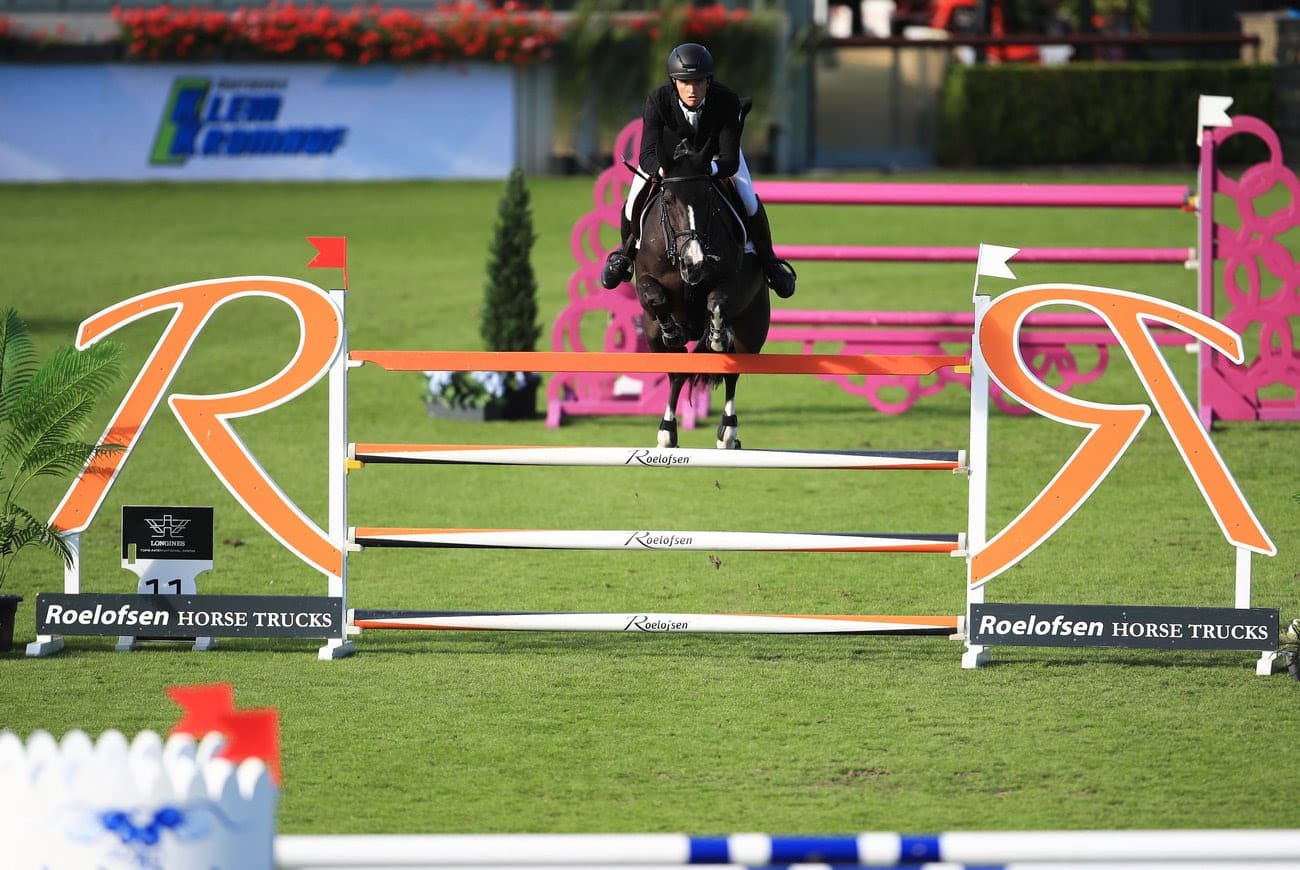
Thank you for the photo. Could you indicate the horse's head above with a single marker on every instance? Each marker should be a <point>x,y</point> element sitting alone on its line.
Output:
<point>692,213</point>
<point>684,208</point>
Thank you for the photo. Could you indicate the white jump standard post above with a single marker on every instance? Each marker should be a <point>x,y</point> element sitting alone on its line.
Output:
<point>338,647</point>
<point>978,465</point>
<point>49,644</point>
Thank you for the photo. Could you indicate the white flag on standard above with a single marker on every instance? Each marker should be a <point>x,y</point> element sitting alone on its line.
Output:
<point>993,261</point>
<point>1211,112</point>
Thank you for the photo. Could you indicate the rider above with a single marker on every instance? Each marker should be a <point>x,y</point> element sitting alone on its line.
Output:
<point>695,112</point>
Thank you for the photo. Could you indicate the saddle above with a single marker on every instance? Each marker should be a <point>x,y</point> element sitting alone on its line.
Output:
<point>725,186</point>
<point>731,196</point>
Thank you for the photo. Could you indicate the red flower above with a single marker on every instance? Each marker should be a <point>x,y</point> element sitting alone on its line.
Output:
<point>449,31</point>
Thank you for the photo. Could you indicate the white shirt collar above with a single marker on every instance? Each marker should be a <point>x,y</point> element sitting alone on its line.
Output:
<point>692,115</point>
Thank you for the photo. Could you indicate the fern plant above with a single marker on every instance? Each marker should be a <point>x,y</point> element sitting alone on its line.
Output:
<point>43,411</point>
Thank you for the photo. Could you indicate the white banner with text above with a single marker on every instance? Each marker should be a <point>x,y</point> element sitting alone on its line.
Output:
<point>268,121</point>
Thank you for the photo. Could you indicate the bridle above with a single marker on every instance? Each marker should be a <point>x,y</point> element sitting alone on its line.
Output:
<point>688,235</point>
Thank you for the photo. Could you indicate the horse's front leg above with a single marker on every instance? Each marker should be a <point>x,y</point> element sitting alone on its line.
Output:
<point>656,302</point>
<point>720,338</point>
<point>729,427</point>
<point>667,436</point>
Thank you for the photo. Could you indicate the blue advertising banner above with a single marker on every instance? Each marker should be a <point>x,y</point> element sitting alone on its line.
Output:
<point>255,121</point>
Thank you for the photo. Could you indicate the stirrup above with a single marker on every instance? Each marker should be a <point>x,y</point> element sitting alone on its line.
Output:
<point>780,277</point>
<point>618,269</point>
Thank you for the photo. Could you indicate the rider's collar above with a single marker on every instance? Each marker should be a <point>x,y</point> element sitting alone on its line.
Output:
<point>688,110</point>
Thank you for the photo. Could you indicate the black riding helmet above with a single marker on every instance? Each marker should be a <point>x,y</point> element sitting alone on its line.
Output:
<point>690,60</point>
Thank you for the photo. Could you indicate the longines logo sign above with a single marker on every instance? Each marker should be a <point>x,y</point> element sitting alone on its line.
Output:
<point>184,616</point>
<point>1119,626</point>
<point>167,532</point>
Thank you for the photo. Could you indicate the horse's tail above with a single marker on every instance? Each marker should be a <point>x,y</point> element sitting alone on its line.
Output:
<point>708,382</point>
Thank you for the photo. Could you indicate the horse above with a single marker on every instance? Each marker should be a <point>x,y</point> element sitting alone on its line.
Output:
<point>696,282</point>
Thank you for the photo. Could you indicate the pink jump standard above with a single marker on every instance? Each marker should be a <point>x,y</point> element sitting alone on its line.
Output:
<point>1267,387</point>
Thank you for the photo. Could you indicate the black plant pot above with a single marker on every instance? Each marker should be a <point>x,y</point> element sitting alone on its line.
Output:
<point>518,405</point>
<point>8,616</point>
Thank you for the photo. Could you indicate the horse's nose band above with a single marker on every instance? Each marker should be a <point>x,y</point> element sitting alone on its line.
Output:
<point>686,236</point>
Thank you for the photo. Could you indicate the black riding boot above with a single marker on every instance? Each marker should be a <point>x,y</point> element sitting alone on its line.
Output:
<point>779,273</point>
<point>618,265</point>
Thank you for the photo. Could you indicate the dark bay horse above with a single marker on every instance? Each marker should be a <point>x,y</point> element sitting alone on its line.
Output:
<point>697,284</point>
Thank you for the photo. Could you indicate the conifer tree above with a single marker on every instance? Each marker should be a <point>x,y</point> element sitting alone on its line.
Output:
<point>509,320</point>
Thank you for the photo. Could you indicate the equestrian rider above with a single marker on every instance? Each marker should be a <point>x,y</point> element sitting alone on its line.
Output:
<point>694,112</point>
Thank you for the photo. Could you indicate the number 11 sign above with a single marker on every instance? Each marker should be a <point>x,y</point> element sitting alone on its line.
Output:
<point>167,548</point>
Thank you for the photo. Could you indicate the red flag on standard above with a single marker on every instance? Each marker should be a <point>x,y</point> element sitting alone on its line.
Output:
<point>331,253</point>
<point>248,733</point>
<point>204,707</point>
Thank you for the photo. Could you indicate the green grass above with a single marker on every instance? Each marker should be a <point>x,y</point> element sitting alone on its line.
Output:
<point>425,732</point>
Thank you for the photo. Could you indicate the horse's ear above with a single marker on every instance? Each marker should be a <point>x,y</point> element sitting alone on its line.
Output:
<point>688,161</point>
<point>746,104</point>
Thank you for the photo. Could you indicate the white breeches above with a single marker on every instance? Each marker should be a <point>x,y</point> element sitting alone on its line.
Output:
<point>744,186</point>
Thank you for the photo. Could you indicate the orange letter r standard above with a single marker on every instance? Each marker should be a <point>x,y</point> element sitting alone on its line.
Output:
<point>204,418</point>
<point>1112,427</point>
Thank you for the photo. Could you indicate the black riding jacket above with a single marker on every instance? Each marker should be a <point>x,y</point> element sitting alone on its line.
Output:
<point>664,126</point>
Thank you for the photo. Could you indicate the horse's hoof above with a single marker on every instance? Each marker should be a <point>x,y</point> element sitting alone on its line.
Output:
<point>667,434</point>
<point>672,334</point>
<point>721,342</point>
<point>727,432</point>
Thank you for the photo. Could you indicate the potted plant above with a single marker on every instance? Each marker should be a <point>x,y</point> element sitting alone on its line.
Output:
<point>479,396</point>
<point>509,323</point>
<point>43,411</point>
<point>1290,644</point>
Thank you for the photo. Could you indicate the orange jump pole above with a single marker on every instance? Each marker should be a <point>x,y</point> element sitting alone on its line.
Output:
<point>656,363</point>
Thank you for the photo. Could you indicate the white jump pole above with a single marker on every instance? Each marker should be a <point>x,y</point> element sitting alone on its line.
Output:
<point>1055,849</point>
<point>817,865</point>
<point>657,457</point>
<point>648,622</point>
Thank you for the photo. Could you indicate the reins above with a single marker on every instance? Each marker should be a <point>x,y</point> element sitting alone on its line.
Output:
<point>692,233</point>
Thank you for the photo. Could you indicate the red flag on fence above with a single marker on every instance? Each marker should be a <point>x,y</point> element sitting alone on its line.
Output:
<point>248,733</point>
<point>331,253</point>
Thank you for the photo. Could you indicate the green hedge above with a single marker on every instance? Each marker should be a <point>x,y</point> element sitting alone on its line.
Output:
<point>608,60</point>
<point>1119,113</point>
